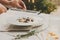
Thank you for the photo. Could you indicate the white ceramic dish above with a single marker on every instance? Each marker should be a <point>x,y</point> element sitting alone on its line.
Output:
<point>36,20</point>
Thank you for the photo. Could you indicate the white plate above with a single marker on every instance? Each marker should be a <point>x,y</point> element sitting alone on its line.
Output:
<point>13,19</point>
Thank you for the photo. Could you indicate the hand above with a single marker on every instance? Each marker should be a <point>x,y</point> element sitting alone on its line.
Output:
<point>4,2</point>
<point>18,3</point>
<point>2,9</point>
<point>14,3</point>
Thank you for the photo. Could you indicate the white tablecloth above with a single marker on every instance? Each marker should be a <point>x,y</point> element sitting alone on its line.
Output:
<point>54,26</point>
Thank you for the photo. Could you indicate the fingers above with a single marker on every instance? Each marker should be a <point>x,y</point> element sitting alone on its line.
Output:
<point>18,4</point>
<point>2,9</point>
<point>4,2</point>
<point>21,3</point>
<point>14,3</point>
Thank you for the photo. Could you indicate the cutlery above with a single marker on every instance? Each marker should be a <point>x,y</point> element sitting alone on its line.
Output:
<point>22,30</point>
<point>31,11</point>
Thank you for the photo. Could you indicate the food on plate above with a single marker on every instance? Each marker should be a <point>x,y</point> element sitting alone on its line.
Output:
<point>25,20</point>
<point>53,35</point>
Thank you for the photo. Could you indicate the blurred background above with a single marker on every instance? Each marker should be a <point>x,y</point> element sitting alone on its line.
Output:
<point>45,6</point>
<point>57,2</point>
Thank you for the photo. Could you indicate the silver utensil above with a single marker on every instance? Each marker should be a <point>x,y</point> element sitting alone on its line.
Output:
<point>31,11</point>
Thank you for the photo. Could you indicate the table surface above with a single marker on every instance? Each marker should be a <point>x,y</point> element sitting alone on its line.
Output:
<point>54,26</point>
